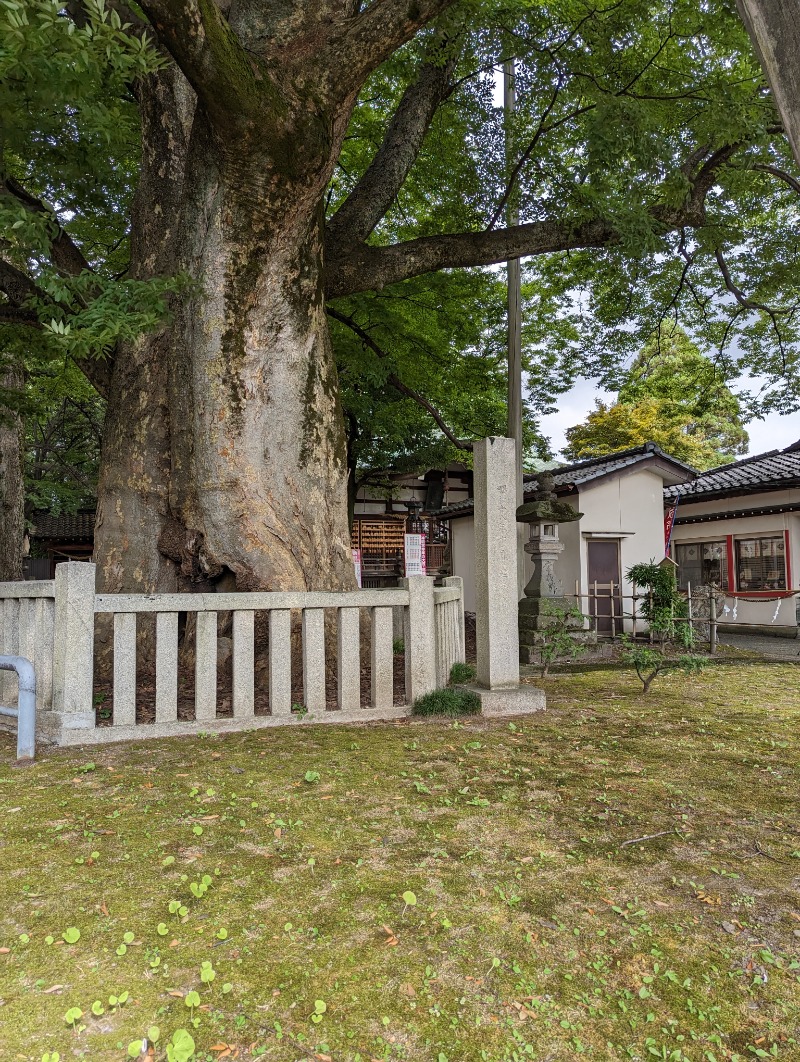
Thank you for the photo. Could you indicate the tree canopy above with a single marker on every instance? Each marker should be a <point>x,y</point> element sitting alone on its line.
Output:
<point>187,188</point>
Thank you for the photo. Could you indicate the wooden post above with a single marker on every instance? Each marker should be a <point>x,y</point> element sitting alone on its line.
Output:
<point>611,603</point>
<point>634,604</point>
<point>712,622</point>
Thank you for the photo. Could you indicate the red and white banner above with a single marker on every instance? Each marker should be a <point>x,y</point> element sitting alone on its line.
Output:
<point>669,520</point>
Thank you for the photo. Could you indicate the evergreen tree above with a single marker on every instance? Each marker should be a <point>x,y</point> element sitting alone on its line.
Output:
<point>674,396</point>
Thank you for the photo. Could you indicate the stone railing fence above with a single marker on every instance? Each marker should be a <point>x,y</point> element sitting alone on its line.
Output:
<point>53,624</point>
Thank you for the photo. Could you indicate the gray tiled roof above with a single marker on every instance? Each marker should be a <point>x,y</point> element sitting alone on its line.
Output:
<point>63,526</point>
<point>584,471</point>
<point>771,471</point>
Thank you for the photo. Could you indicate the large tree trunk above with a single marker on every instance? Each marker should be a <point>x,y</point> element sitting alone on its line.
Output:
<point>12,483</point>
<point>258,461</point>
<point>224,451</point>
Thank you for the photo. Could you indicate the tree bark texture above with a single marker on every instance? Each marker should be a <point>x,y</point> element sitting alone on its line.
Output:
<point>774,28</point>
<point>258,446</point>
<point>133,489</point>
<point>12,483</point>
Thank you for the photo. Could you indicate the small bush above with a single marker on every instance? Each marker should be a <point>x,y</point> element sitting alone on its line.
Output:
<point>448,702</point>
<point>398,645</point>
<point>461,673</point>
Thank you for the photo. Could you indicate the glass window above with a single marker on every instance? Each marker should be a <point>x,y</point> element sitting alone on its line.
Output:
<point>761,563</point>
<point>701,563</point>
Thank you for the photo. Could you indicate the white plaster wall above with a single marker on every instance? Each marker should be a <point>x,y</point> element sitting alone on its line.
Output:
<point>629,507</point>
<point>754,611</point>
<point>462,553</point>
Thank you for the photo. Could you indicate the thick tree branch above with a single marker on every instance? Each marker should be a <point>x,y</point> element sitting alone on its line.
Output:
<point>364,42</point>
<point>230,81</point>
<point>65,254</point>
<point>397,383</point>
<point>782,175</point>
<point>20,289</point>
<point>16,285</point>
<point>377,189</point>
<point>13,315</point>
<point>365,267</point>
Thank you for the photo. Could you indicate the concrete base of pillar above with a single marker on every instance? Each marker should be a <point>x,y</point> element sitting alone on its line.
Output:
<point>515,700</point>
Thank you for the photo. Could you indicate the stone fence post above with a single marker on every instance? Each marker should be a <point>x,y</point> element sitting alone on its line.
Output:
<point>73,645</point>
<point>419,637</point>
<point>458,583</point>
<point>496,591</point>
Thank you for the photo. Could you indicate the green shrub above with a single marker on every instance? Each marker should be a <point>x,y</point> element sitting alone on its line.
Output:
<point>666,613</point>
<point>448,702</point>
<point>398,645</point>
<point>460,673</point>
<point>558,637</point>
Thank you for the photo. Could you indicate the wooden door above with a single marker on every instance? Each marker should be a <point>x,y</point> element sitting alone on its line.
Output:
<point>606,606</point>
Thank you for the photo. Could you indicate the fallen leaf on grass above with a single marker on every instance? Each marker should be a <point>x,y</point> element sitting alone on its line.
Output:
<point>705,897</point>
<point>4,951</point>
<point>53,988</point>
<point>391,938</point>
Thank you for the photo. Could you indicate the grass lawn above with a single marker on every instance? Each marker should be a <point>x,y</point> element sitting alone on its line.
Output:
<point>538,930</point>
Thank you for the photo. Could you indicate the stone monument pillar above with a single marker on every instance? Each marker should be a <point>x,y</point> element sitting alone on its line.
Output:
<point>496,563</point>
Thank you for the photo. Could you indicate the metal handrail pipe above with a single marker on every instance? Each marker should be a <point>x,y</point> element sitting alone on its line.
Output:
<point>25,712</point>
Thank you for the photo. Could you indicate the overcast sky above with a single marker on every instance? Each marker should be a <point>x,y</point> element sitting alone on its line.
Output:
<point>773,433</point>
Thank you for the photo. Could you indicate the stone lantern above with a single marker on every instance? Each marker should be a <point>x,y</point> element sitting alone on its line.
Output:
<point>544,593</point>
